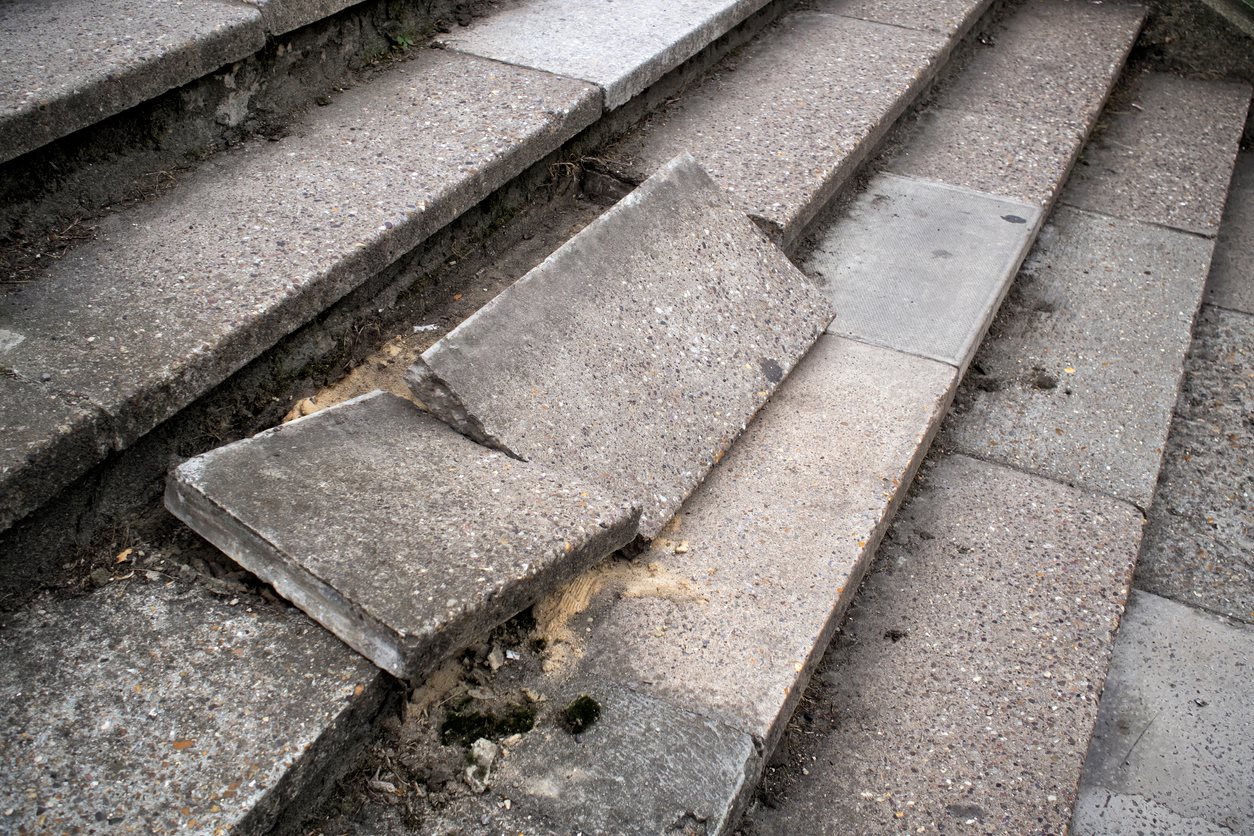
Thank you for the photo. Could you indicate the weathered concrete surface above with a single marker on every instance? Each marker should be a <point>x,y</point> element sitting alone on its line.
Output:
<point>1176,726</point>
<point>800,109</point>
<point>951,17</point>
<point>756,571</point>
<point>143,709</point>
<point>922,267</point>
<point>1101,812</point>
<point>1078,378</point>
<point>69,64</point>
<point>1013,121</point>
<point>281,16</point>
<point>622,47</point>
<point>45,441</point>
<point>1199,546</point>
<point>399,535</point>
<point>1232,270</point>
<point>968,672</point>
<point>636,354</point>
<point>1166,156</point>
<point>175,295</point>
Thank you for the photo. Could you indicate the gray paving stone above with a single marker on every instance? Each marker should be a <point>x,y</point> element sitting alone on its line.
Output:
<point>67,65</point>
<point>1176,725</point>
<point>922,267</point>
<point>1232,270</point>
<point>801,108</point>
<point>175,295</point>
<point>1108,814</point>
<point>624,48</point>
<point>399,535</point>
<point>967,676</point>
<point>764,558</point>
<point>952,17</point>
<point>45,440</point>
<point>1166,156</point>
<point>639,379</point>
<point>281,16</point>
<point>1199,547</point>
<point>1079,375</point>
<point>144,709</point>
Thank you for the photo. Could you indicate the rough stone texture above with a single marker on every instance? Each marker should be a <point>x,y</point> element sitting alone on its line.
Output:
<point>400,536</point>
<point>1199,547</point>
<point>764,558</point>
<point>141,709</point>
<point>1176,726</point>
<point>1232,270</point>
<point>922,267</point>
<point>623,47</point>
<point>969,669</point>
<point>636,354</point>
<point>45,441</point>
<point>69,64</point>
<point>1166,157</point>
<point>646,766</point>
<point>281,16</point>
<point>951,17</point>
<point>1079,375</point>
<point>175,295</point>
<point>801,108</point>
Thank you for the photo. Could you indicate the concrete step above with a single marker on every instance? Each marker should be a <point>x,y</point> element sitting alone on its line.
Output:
<point>1036,554</point>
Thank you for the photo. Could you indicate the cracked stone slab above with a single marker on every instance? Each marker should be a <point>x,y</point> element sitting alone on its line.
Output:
<point>396,533</point>
<point>950,17</point>
<point>72,63</point>
<point>143,708</point>
<point>802,106</point>
<point>1232,270</point>
<point>1078,377</point>
<point>1166,155</point>
<point>636,354</point>
<point>622,47</point>
<point>739,596</point>
<point>922,267</point>
<point>968,671</point>
<point>1176,725</point>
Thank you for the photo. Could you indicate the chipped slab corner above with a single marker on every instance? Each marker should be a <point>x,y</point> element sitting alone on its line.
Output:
<point>400,536</point>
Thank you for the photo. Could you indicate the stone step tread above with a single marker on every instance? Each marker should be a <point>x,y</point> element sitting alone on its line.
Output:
<point>622,48</point>
<point>1232,269</point>
<point>996,597</point>
<point>636,381</point>
<point>402,537</point>
<point>949,17</point>
<point>1173,750</point>
<point>799,110</point>
<point>147,708</point>
<point>260,241</point>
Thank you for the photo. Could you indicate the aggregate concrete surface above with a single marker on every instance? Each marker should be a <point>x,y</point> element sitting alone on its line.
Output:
<point>623,47</point>
<point>142,709</point>
<point>637,379</point>
<point>802,106</point>
<point>280,16</point>
<point>968,672</point>
<point>1175,734</point>
<point>1232,270</point>
<point>68,64</point>
<point>922,267</point>
<point>950,17</point>
<point>1079,375</point>
<point>399,535</point>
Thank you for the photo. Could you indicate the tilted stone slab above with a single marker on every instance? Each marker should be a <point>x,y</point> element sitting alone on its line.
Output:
<point>146,708</point>
<point>72,63</point>
<point>623,47</point>
<point>802,107</point>
<point>922,267</point>
<point>1231,281</point>
<point>637,353</point>
<point>280,16</point>
<point>399,535</point>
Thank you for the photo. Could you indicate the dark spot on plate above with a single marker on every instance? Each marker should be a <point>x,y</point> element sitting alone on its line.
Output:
<point>1014,219</point>
<point>772,370</point>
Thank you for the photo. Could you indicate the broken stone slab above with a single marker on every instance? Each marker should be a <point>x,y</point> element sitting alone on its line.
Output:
<point>922,267</point>
<point>803,105</point>
<point>145,708</point>
<point>397,534</point>
<point>622,47</point>
<point>636,354</point>
<point>70,64</point>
